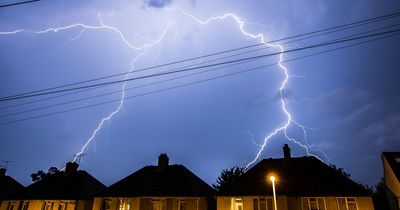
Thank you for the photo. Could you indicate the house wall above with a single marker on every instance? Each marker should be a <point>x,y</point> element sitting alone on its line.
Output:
<point>38,204</point>
<point>144,203</point>
<point>227,203</point>
<point>289,203</point>
<point>365,203</point>
<point>392,184</point>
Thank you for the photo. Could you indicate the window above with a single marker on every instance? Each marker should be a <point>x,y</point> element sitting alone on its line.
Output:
<point>237,204</point>
<point>313,203</point>
<point>23,205</point>
<point>47,205</point>
<point>263,203</point>
<point>124,204</point>
<point>181,205</point>
<point>157,204</point>
<point>348,203</point>
<point>106,204</point>
<point>62,206</point>
<point>11,205</point>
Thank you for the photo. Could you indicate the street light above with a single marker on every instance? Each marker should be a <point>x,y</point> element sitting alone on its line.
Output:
<point>272,179</point>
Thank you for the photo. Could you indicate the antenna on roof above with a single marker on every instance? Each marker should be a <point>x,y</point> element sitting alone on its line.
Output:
<point>5,163</point>
<point>79,157</point>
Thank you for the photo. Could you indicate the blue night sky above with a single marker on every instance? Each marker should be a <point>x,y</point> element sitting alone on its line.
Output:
<point>348,100</point>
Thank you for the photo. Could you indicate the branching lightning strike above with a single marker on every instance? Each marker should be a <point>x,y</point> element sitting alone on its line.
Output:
<point>143,48</point>
<point>289,119</point>
<point>103,26</point>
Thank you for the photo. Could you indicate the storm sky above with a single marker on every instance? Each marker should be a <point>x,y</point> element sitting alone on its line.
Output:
<point>349,99</point>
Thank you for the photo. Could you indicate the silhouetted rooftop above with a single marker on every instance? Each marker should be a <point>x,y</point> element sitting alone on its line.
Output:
<point>393,159</point>
<point>300,176</point>
<point>173,180</point>
<point>69,186</point>
<point>8,185</point>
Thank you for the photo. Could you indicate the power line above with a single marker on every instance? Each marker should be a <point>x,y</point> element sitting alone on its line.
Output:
<point>201,67</point>
<point>197,82</point>
<point>18,3</point>
<point>234,55</point>
<point>158,82</point>
<point>355,24</point>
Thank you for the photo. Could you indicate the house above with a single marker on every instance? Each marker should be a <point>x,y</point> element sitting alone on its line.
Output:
<point>8,185</point>
<point>301,183</point>
<point>161,187</point>
<point>71,189</point>
<point>391,178</point>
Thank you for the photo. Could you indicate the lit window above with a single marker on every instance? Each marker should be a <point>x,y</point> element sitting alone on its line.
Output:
<point>263,203</point>
<point>124,204</point>
<point>106,204</point>
<point>347,203</point>
<point>313,203</point>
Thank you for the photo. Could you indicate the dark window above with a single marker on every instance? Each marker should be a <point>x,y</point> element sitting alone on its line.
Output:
<point>10,206</point>
<point>106,204</point>
<point>313,203</point>
<point>255,204</point>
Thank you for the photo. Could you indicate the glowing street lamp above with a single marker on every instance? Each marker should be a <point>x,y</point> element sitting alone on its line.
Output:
<point>272,179</point>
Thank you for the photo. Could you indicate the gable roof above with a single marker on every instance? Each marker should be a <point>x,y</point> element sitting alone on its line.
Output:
<point>8,185</point>
<point>67,186</point>
<point>173,180</point>
<point>393,159</point>
<point>302,176</point>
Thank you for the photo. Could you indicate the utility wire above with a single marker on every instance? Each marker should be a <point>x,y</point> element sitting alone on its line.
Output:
<point>221,58</point>
<point>197,82</point>
<point>18,3</point>
<point>162,81</point>
<point>201,67</point>
<point>357,23</point>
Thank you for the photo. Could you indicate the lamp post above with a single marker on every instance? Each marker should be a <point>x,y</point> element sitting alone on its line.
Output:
<point>272,179</point>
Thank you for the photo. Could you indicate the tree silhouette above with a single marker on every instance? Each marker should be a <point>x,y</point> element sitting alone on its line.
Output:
<point>379,196</point>
<point>340,170</point>
<point>228,176</point>
<point>40,175</point>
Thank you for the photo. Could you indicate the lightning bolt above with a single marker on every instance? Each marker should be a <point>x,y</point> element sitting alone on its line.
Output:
<point>282,128</point>
<point>84,27</point>
<point>289,119</point>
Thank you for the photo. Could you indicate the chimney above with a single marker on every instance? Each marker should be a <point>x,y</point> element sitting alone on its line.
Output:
<point>3,171</point>
<point>163,162</point>
<point>71,167</point>
<point>286,151</point>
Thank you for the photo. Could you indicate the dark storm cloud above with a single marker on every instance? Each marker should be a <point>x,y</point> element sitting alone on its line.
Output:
<point>157,3</point>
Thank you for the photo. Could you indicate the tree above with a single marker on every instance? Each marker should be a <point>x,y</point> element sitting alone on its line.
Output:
<point>379,196</point>
<point>340,170</point>
<point>228,176</point>
<point>40,175</point>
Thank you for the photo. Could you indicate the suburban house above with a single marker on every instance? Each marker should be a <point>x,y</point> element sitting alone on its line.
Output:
<point>161,187</point>
<point>71,189</point>
<point>391,178</point>
<point>8,185</point>
<point>301,183</point>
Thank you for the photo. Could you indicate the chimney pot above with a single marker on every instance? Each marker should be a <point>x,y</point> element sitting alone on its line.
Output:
<point>71,167</point>
<point>286,152</point>
<point>163,162</point>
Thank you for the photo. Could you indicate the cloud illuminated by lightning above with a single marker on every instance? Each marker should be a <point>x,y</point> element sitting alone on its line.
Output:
<point>83,27</point>
<point>282,128</point>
